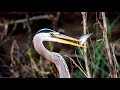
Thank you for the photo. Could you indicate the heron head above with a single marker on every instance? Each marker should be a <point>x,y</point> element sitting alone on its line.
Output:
<point>51,35</point>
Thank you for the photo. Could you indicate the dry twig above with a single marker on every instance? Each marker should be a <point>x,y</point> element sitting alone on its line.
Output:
<point>114,59</point>
<point>29,29</point>
<point>31,19</point>
<point>4,31</point>
<point>104,30</point>
<point>77,65</point>
<point>84,15</point>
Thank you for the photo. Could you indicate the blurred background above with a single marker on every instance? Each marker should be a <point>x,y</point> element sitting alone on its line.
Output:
<point>18,59</point>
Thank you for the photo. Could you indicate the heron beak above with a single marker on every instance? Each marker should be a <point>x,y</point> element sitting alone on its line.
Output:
<point>68,40</point>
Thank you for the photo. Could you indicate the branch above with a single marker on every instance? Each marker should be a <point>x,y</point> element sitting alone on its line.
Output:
<point>30,19</point>
<point>107,45</point>
<point>84,15</point>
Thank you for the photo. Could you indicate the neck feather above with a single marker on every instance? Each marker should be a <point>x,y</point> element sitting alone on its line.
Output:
<point>56,58</point>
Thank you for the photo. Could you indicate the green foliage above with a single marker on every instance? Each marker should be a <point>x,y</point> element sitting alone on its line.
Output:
<point>78,74</point>
<point>98,65</point>
<point>38,71</point>
<point>111,25</point>
<point>97,58</point>
<point>39,67</point>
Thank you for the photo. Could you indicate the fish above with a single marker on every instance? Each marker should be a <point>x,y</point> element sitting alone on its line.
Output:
<point>84,38</point>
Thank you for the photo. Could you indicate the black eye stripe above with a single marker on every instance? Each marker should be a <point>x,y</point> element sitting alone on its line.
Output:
<point>45,31</point>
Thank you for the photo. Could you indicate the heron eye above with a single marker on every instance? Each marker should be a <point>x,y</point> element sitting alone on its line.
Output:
<point>51,34</point>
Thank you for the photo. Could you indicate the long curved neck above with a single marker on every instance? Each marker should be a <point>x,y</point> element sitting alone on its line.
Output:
<point>56,58</point>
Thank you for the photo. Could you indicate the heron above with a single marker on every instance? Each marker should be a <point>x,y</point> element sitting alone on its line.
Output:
<point>47,34</point>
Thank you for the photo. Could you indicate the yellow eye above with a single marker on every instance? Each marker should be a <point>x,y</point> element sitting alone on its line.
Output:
<point>51,34</point>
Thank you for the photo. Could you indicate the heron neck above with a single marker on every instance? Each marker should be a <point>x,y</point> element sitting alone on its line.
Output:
<point>56,58</point>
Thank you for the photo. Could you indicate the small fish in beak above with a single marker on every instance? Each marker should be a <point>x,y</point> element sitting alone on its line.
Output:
<point>84,38</point>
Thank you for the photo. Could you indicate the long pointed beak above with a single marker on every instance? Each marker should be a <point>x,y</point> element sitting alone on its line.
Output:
<point>68,40</point>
